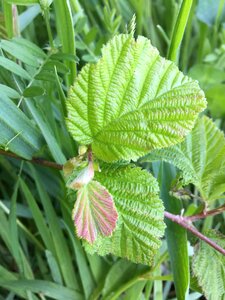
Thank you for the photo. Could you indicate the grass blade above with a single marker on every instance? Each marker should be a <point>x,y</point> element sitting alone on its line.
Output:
<point>23,2</point>
<point>38,216</point>
<point>6,91</point>
<point>14,68</point>
<point>13,230</point>
<point>66,34</point>
<point>47,288</point>
<point>61,247</point>
<point>17,132</point>
<point>176,236</point>
<point>84,270</point>
<point>179,29</point>
<point>46,131</point>
<point>8,16</point>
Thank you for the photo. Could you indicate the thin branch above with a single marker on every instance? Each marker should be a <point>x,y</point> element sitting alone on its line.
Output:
<point>185,224</point>
<point>206,214</point>
<point>37,161</point>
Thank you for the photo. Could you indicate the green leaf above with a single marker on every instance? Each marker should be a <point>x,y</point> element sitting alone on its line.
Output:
<point>61,68</point>
<point>17,132</point>
<point>85,270</point>
<point>47,132</point>
<point>63,255</point>
<point>132,101</point>
<point>176,236</point>
<point>6,275</point>
<point>24,50</point>
<point>140,224</point>
<point>33,91</point>
<point>37,216</point>
<point>215,97</point>
<point>8,18</point>
<point>14,68</point>
<point>23,2</point>
<point>54,268</point>
<point>201,157</point>
<point>13,229</point>
<point>65,30</point>
<point>46,288</point>
<point>207,75</point>
<point>120,273</point>
<point>28,15</point>
<point>209,267</point>
<point>8,91</point>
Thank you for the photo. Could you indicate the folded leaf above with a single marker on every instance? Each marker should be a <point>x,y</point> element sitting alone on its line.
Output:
<point>132,101</point>
<point>201,158</point>
<point>94,212</point>
<point>140,224</point>
<point>209,267</point>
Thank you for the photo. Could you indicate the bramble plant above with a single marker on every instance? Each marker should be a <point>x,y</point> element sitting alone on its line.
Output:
<point>137,158</point>
<point>130,102</point>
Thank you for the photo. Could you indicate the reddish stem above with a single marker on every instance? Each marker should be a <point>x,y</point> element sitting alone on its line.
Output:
<point>205,214</point>
<point>182,221</point>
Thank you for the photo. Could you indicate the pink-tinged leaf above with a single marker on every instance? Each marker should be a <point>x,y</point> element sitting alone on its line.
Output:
<point>84,177</point>
<point>94,212</point>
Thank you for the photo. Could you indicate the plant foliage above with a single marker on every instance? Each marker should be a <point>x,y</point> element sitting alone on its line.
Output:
<point>132,101</point>
<point>200,157</point>
<point>209,267</point>
<point>140,224</point>
<point>128,101</point>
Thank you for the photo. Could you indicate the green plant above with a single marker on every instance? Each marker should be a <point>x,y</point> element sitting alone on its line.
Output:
<point>128,110</point>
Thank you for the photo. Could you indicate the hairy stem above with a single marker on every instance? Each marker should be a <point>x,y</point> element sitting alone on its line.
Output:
<point>182,221</point>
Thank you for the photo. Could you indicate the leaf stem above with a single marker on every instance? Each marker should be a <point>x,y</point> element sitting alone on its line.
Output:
<point>182,221</point>
<point>47,22</point>
<point>38,161</point>
<point>206,214</point>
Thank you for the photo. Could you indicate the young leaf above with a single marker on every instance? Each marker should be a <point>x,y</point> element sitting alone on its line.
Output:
<point>132,101</point>
<point>140,223</point>
<point>201,157</point>
<point>33,91</point>
<point>94,213</point>
<point>209,267</point>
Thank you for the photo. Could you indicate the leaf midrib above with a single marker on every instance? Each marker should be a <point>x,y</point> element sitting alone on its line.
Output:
<point>138,109</point>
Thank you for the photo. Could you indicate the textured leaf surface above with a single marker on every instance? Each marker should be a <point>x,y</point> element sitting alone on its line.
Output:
<point>209,267</point>
<point>201,157</point>
<point>140,224</point>
<point>132,101</point>
<point>94,212</point>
